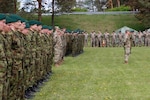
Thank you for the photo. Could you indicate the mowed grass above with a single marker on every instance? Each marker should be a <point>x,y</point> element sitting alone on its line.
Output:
<point>100,74</point>
<point>95,22</point>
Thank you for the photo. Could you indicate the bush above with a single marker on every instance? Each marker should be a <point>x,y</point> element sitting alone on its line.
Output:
<point>121,8</point>
<point>79,10</point>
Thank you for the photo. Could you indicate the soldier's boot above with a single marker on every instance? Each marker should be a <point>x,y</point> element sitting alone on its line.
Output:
<point>35,88</point>
<point>28,94</point>
<point>126,62</point>
<point>29,91</point>
<point>47,76</point>
<point>56,64</point>
<point>39,83</point>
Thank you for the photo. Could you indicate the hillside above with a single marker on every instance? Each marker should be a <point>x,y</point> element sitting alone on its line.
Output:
<point>95,22</point>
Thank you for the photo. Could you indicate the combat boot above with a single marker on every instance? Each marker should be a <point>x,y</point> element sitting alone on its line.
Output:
<point>126,62</point>
<point>28,94</point>
<point>35,88</point>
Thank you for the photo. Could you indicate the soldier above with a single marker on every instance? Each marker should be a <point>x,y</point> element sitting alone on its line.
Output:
<point>99,35</point>
<point>133,34</point>
<point>120,37</point>
<point>64,44</point>
<point>92,35</point>
<point>85,39</point>
<point>113,39</point>
<point>57,46</point>
<point>140,41</point>
<point>4,61</point>
<point>107,38</point>
<point>148,38</point>
<point>74,44</point>
<point>127,45</point>
<point>145,38</point>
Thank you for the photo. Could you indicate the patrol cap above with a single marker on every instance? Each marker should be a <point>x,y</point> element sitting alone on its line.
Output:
<point>34,22</point>
<point>2,16</point>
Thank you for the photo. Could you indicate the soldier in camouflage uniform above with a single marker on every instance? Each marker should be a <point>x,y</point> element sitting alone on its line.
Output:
<point>4,61</point>
<point>86,39</point>
<point>113,39</point>
<point>74,44</point>
<point>120,39</point>
<point>140,41</point>
<point>57,46</point>
<point>127,45</point>
<point>92,35</point>
<point>107,38</point>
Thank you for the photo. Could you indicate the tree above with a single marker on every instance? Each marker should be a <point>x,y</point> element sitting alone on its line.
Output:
<point>53,3</point>
<point>110,3</point>
<point>144,7</point>
<point>8,6</point>
<point>118,2</point>
<point>99,4</point>
<point>144,16</point>
<point>39,10</point>
<point>66,5</point>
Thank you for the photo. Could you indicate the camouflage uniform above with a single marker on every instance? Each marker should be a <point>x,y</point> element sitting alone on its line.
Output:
<point>3,68</point>
<point>57,48</point>
<point>74,44</point>
<point>92,39</point>
<point>127,46</point>
<point>86,39</point>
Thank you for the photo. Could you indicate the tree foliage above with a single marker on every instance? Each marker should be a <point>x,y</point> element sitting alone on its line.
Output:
<point>7,6</point>
<point>144,7</point>
<point>65,5</point>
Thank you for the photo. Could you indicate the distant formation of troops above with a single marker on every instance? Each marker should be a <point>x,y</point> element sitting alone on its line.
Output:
<point>116,39</point>
<point>28,50</point>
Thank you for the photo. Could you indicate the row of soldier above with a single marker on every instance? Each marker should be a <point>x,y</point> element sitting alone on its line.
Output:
<point>66,43</point>
<point>27,52</point>
<point>116,39</point>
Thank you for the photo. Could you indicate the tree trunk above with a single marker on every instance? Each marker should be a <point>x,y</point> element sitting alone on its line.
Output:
<point>118,2</point>
<point>15,6</point>
<point>39,10</point>
<point>53,14</point>
<point>111,3</point>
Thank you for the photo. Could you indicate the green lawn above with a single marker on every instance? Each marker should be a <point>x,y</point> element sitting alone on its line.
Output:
<point>95,22</point>
<point>100,74</point>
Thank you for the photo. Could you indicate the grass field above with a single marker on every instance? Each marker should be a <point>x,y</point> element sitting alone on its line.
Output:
<point>95,22</point>
<point>100,74</point>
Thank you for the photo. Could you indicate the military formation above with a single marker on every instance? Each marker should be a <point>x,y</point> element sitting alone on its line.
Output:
<point>114,39</point>
<point>28,49</point>
<point>67,42</point>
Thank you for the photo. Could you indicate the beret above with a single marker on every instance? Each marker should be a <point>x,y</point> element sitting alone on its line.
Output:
<point>34,22</point>
<point>17,17</point>
<point>2,16</point>
<point>46,27</point>
<point>10,20</point>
